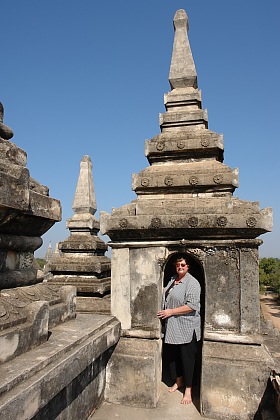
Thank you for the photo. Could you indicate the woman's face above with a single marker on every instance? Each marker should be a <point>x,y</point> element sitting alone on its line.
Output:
<point>181,267</point>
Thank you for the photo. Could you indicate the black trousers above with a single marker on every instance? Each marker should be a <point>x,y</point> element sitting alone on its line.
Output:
<point>181,360</point>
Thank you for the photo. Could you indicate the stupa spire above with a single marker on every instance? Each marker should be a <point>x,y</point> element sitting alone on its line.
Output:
<point>80,259</point>
<point>84,200</point>
<point>186,172</point>
<point>182,69</point>
<point>49,252</point>
<point>84,203</point>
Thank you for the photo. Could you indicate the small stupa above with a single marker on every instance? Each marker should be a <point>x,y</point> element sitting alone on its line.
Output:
<point>49,252</point>
<point>81,260</point>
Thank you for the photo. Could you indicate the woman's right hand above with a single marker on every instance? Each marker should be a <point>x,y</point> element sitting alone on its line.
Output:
<point>164,313</point>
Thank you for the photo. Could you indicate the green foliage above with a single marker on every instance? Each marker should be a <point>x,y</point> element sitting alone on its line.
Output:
<point>41,262</point>
<point>269,269</point>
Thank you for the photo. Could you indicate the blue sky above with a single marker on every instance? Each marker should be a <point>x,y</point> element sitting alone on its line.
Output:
<point>89,77</point>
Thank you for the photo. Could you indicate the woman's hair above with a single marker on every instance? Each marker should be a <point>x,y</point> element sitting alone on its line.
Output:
<point>180,257</point>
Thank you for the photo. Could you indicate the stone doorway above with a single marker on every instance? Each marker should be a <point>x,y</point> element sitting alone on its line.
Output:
<point>197,271</point>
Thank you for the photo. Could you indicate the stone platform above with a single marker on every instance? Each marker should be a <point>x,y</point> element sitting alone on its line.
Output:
<point>64,377</point>
<point>169,404</point>
<point>168,408</point>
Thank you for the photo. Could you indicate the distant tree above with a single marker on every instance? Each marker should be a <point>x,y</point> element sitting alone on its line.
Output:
<point>263,279</point>
<point>41,262</point>
<point>269,269</point>
<point>275,278</point>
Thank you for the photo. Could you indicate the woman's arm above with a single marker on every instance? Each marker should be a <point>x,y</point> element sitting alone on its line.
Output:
<point>181,310</point>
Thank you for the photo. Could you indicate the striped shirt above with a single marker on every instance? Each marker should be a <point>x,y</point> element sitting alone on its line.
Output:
<point>180,328</point>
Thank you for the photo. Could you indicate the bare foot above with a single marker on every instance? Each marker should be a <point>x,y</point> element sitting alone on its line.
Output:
<point>187,398</point>
<point>173,388</point>
<point>178,384</point>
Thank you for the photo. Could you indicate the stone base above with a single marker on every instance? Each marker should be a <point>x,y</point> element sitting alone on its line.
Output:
<point>85,284</point>
<point>29,313</point>
<point>64,377</point>
<point>234,379</point>
<point>96,305</point>
<point>134,373</point>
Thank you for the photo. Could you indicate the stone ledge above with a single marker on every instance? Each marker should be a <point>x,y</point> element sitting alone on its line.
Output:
<point>33,379</point>
<point>231,337</point>
<point>225,395</point>
<point>94,304</point>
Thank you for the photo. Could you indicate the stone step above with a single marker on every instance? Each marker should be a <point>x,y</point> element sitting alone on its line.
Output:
<point>36,377</point>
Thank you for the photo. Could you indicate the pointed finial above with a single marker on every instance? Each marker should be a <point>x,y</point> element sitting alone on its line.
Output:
<point>6,132</point>
<point>49,252</point>
<point>181,20</point>
<point>84,200</point>
<point>182,69</point>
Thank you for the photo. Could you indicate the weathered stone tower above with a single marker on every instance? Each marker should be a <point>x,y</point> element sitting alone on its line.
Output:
<point>81,261</point>
<point>26,213</point>
<point>185,204</point>
<point>52,362</point>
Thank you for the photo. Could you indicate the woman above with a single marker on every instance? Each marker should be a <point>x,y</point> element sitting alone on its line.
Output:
<point>181,312</point>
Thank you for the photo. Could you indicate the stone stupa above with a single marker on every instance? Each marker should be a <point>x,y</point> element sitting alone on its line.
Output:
<point>52,362</point>
<point>81,261</point>
<point>185,204</point>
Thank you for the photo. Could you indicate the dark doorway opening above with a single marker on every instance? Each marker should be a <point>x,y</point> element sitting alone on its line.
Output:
<point>196,271</point>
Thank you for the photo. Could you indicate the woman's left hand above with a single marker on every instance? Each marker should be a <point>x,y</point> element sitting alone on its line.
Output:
<point>164,313</point>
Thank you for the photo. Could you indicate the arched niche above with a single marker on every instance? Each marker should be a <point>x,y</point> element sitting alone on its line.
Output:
<point>197,271</point>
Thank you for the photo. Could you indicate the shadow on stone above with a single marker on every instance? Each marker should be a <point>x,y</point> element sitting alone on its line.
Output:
<point>267,407</point>
<point>82,384</point>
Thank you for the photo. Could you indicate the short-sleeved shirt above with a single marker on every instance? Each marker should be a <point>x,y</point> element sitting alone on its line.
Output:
<point>180,328</point>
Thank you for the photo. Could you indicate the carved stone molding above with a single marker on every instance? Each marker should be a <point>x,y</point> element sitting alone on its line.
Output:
<point>180,144</point>
<point>123,223</point>
<point>193,221</point>
<point>193,180</point>
<point>210,251</point>
<point>156,222</point>
<point>26,260</point>
<point>205,142</point>
<point>231,256</point>
<point>145,182</point>
<point>251,222</point>
<point>160,145</point>
<point>218,179</point>
<point>168,180</point>
<point>222,221</point>
<point>199,253</point>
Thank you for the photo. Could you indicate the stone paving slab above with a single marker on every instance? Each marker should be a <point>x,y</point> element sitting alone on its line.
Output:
<point>168,408</point>
<point>271,326</point>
